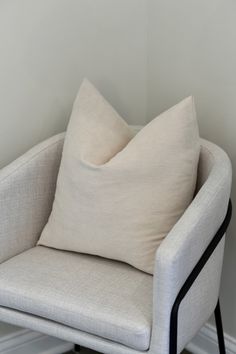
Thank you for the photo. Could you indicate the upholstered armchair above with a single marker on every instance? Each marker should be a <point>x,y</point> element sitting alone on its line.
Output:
<point>103,304</point>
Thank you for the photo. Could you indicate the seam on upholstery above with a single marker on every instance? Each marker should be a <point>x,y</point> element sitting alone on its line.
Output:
<point>209,151</point>
<point>146,333</point>
<point>212,161</point>
<point>193,179</point>
<point>104,340</point>
<point>30,159</point>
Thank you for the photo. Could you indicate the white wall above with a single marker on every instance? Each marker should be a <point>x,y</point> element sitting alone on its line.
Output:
<point>48,46</point>
<point>192,49</point>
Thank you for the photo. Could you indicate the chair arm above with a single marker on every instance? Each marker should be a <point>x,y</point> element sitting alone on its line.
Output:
<point>27,189</point>
<point>180,252</point>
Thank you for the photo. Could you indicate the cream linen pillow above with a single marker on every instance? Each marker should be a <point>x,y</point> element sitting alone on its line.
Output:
<point>117,195</point>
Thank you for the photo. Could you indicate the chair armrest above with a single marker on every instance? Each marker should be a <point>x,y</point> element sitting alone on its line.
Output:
<point>27,188</point>
<point>180,252</point>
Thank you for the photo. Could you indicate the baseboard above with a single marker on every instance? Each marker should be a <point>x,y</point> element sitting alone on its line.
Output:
<point>205,342</point>
<point>24,341</point>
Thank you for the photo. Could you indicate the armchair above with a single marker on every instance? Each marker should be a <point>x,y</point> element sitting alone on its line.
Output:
<point>103,304</point>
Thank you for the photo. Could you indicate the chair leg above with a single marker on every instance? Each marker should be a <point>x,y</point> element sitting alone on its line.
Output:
<point>219,327</point>
<point>77,348</point>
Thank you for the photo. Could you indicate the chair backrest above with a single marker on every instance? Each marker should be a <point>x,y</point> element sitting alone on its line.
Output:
<point>206,163</point>
<point>214,167</point>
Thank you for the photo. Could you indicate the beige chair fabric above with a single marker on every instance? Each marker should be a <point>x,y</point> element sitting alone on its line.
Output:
<point>173,262</point>
<point>106,298</point>
<point>27,189</point>
<point>118,196</point>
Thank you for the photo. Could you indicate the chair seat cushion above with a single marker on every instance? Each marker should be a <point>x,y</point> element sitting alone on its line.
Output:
<point>106,298</point>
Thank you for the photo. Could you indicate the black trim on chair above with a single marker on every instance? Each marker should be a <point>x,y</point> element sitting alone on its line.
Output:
<point>219,327</point>
<point>189,282</point>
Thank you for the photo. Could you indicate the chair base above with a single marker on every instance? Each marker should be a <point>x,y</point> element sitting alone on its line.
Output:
<point>219,327</point>
<point>77,348</point>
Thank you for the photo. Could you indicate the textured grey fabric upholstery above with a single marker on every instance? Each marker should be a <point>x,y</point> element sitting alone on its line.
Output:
<point>106,298</point>
<point>175,259</point>
<point>26,193</point>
